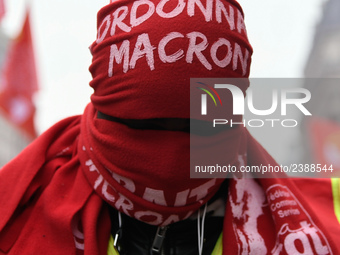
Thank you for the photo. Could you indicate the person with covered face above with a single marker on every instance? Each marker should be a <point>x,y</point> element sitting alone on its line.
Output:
<point>116,179</point>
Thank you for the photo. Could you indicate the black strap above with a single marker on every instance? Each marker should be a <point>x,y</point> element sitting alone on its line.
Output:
<point>174,124</point>
<point>197,127</point>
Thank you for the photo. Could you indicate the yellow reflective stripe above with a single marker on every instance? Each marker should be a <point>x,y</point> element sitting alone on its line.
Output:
<point>217,249</point>
<point>110,248</point>
<point>336,196</point>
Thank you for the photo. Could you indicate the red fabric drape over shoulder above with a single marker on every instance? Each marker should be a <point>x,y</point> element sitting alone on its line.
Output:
<point>49,206</point>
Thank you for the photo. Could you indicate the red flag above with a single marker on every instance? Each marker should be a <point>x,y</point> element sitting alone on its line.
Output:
<point>2,9</point>
<point>325,142</point>
<point>19,81</point>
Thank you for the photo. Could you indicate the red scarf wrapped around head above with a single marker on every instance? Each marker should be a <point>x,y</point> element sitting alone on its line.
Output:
<point>147,51</point>
<point>55,195</point>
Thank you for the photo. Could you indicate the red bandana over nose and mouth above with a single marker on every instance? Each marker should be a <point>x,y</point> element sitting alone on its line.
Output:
<point>147,51</point>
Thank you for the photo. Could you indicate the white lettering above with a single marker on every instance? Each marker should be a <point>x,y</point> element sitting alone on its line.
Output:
<point>219,122</point>
<point>213,52</point>
<point>124,182</point>
<point>238,55</point>
<point>261,123</point>
<point>181,198</point>
<point>262,112</point>
<point>295,123</point>
<point>220,7</point>
<point>100,37</point>
<point>319,247</point>
<point>143,40</point>
<point>206,11</point>
<point>98,181</point>
<point>155,196</point>
<point>197,49</point>
<point>105,192</point>
<point>161,48</point>
<point>178,9</point>
<point>118,20</point>
<point>124,204</point>
<point>123,52</point>
<point>238,97</point>
<point>290,241</point>
<point>134,21</point>
<point>240,23</point>
<point>297,102</point>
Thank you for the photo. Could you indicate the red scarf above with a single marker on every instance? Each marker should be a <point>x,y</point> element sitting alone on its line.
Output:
<point>143,173</point>
<point>49,205</point>
<point>147,51</point>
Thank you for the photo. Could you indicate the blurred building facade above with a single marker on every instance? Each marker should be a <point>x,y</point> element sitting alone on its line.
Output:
<point>322,71</point>
<point>324,58</point>
<point>12,141</point>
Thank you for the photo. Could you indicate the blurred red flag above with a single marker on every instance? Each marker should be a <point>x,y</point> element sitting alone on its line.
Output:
<point>325,142</point>
<point>19,81</point>
<point>2,9</point>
